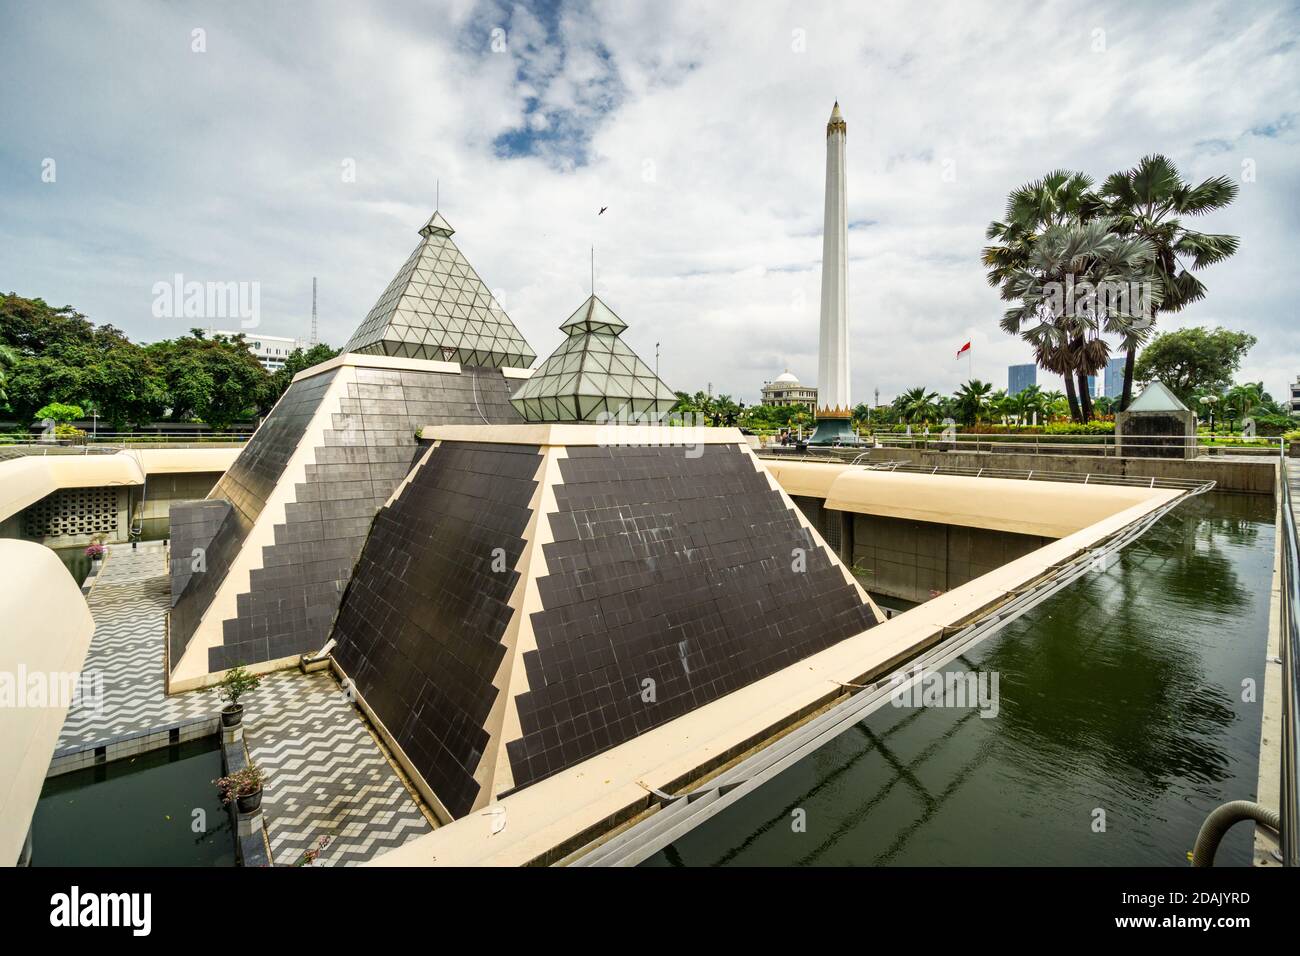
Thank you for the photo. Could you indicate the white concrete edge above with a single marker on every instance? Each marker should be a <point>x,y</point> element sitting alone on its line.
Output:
<point>48,629</point>
<point>192,669</point>
<point>623,436</point>
<point>367,360</point>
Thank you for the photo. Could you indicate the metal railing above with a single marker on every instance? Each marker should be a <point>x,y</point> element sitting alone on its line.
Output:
<point>1099,445</point>
<point>1029,474</point>
<point>119,441</point>
<point>1290,654</point>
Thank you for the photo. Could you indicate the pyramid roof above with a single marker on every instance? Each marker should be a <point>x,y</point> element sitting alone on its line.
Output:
<point>437,307</point>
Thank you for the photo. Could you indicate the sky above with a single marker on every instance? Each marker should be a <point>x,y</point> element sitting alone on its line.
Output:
<point>265,144</point>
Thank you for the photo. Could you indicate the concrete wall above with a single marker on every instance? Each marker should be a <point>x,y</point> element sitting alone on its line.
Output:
<point>76,515</point>
<point>106,513</point>
<point>910,559</point>
<point>150,510</point>
<point>917,560</point>
<point>1229,473</point>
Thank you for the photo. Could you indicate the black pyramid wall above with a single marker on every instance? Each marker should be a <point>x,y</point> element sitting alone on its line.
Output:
<point>681,570</point>
<point>691,572</point>
<point>367,451</point>
<point>419,633</point>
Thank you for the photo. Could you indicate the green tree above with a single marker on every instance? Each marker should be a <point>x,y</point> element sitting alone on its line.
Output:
<point>1060,200</point>
<point>1242,401</point>
<point>122,381</point>
<point>971,400</point>
<point>917,405</point>
<point>1029,400</point>
<point>1194,360</point>
<point>1149,201</point>
<point>39,380</point>
<point>60,413</point>
<point>32,327</point>
<point>216,380</point>
<point>8,359</point>
<point>63,357</point>
<point>1062,310</point>
<point>1054,403</point>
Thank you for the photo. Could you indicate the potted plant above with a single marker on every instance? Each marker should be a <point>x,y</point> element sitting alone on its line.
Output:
<point>95,551</point>
<point>244,787</point>
<point>235,685</point>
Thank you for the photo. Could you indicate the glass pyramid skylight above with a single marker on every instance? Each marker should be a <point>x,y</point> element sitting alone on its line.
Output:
<point>438,308</point>
<point>593,376</point>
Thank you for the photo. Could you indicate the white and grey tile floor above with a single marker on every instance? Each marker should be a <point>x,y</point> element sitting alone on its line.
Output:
<point>326,774</point>
<point>128,602</point>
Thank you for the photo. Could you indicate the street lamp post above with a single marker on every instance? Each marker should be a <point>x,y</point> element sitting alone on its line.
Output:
<point>1211,401</point>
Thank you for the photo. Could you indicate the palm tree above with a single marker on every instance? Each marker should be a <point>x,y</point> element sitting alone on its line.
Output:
<point>917,405</point>
<point>1028,400</point>
<point>1241,400</point>
<point>999,403</point>
<point>972,399</point>
<point>1147,201</point>
<point>1062,196</point>
<point>1061,199</point>
<point>1063,308</point>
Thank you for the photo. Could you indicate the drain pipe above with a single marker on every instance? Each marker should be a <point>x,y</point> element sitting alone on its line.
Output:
<point>1222,819</point>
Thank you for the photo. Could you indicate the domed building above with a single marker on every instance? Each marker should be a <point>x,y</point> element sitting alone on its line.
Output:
<point>785,390</point>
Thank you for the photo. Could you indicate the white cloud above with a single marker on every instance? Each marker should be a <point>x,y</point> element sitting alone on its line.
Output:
<point>702,130</point>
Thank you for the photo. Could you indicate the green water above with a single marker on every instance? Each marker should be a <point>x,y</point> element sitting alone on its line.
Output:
<point>75,560</point>
<point>137,811</point>
<point>1121,693</point>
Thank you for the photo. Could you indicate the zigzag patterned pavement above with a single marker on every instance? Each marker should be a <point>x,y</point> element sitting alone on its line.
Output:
<point>128,602</point>
<point>326,774</point>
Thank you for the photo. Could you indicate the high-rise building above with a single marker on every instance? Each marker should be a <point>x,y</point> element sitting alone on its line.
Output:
<point>1295,396</point>
<point>1020,377</point>
<point>1115,377</point>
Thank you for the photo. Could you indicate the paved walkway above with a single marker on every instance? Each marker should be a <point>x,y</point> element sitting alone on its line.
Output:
<point>128,602</point>
<point>326,774</point>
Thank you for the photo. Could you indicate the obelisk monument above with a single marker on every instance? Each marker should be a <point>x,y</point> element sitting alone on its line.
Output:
<point>834,406</point>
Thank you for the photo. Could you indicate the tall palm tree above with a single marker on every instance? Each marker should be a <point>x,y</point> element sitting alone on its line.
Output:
<point>1060,199</point>
<point>917,405</point>
<point>1147,201</point>
<point>1062,196</point>
<point>1060,311</point>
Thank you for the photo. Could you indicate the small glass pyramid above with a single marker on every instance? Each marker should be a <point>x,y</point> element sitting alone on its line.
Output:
<point>594,376</point>
<point>438,308</point>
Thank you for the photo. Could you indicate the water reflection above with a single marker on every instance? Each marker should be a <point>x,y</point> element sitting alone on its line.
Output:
<point>1120,694</point>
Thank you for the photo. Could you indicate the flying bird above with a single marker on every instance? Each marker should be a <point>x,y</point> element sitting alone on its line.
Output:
<point>602,210</point>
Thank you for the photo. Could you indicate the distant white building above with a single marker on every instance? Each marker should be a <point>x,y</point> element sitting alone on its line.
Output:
<point>1295,396</point>
<point>269,350</point>
<point>785,390</point>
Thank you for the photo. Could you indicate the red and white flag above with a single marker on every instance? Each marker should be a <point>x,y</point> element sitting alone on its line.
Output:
<point>963,350</point>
